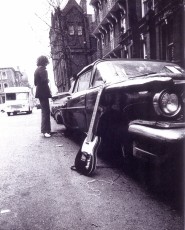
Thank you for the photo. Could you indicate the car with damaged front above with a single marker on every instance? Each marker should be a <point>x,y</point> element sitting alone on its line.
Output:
<point>56,102</point>
<point>141,108</point>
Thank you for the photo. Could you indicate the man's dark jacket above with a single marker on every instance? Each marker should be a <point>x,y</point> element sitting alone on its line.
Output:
<point>41,83</point>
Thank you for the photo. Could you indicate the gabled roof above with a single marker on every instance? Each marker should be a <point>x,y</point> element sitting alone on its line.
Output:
<point>17,89</point>
<point>69,5</point>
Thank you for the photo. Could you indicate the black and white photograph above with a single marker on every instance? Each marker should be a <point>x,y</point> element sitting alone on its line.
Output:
<point>92,114</point>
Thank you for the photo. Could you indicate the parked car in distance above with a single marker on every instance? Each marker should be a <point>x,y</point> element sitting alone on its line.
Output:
<point>141,108</point>
<point>18,100</point>
<point>57,102</point>
<point>2,107</point>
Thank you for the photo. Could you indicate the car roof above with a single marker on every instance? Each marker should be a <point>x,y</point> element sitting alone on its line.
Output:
<point>88,67</point>
<point>17,89</point>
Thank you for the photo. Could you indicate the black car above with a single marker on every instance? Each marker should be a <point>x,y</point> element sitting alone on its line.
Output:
<point>140,111</point>
<point>56,103</point>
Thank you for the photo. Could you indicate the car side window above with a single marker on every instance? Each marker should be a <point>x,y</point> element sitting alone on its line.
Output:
<point>83,81</point>
<point>97,79</point>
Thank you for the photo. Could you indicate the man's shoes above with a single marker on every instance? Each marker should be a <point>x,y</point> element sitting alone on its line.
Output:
<point>47,135</point>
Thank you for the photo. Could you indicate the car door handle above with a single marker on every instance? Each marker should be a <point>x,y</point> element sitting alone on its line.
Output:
<point>82,97</point>
<point>69,97</point>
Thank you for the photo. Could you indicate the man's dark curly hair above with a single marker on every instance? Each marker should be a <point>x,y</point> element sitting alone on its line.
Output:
<point>42,61</point>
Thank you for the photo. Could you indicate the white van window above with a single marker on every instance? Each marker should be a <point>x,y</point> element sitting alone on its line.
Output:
<point>10,96</point>
<point>16,96</point>
<point>22,96</point>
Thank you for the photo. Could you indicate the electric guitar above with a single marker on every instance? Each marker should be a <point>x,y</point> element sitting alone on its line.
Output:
<point>86,158</point>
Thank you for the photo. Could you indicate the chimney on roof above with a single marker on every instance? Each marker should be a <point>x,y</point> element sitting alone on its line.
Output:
<point>83,4</point>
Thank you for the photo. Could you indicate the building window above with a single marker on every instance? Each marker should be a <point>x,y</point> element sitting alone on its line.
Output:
<point>100,5</point>
<point>79,30</point>
<point>103,39</point>
<point>5,85</point>
<point>71,30</point>
<point>4,76</point>
<point>3,98</point>
<point>112,38</point>
<point>123,25</point>
<point>143,48</point>
<point>146,5</point>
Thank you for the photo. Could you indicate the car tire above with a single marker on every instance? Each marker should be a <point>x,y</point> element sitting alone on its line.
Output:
<point>8,113</point>
<point>124,153</point>
<point>30,111</point>
<point>58,118</point>
<point>68,132</point>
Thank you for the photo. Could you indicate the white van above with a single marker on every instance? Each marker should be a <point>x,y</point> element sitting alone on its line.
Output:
<point>18,100</point>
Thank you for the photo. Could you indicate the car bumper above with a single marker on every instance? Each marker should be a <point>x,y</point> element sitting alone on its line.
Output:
<point>17,110</point>
<point>158,144</point>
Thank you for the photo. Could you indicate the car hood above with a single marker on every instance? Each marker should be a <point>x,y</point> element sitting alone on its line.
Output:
<point>142,83</point>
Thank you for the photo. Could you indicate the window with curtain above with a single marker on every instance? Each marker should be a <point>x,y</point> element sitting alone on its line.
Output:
<point>71,30</point>
<point>79,30</point>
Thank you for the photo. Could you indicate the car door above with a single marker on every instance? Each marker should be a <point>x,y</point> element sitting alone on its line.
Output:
<point>75,111</point>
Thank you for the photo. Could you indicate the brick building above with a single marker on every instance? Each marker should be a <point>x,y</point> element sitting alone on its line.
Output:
<point>149,29</point>
<point>161,28</point>
<point>140,29</point>
<point>71,42</point>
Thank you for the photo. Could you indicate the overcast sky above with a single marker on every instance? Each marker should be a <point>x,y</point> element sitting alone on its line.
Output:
<point>24,35</point>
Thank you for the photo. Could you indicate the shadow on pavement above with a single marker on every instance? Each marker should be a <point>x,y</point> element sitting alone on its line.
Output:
<point>161,183</point>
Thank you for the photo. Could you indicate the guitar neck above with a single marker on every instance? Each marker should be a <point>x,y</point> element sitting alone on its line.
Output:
<point>93,118</point>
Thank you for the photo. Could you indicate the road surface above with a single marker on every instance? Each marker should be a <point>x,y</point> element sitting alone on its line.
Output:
<point>39,191</point>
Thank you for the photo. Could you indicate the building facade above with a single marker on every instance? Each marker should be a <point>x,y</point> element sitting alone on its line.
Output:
<point>71,42</point>
<point>9,77</point>
<point>161,28</point>
<point>149,29</point>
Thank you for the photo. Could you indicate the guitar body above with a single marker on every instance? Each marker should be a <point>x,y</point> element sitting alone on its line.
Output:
<point>86,158</point>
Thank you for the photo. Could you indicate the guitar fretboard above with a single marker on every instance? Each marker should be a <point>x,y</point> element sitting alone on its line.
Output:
<point>93,118</point>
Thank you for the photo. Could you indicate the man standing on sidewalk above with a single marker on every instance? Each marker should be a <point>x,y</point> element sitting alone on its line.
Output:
<point>43,93</point>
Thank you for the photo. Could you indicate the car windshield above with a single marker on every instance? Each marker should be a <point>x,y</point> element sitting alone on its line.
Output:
<point>113,71</point>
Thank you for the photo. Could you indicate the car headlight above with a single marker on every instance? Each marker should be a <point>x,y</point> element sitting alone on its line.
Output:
<point>166,104</point>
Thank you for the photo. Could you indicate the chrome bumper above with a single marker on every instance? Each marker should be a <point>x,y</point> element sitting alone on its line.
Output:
<point>157,144</point>
<point>174,135</point>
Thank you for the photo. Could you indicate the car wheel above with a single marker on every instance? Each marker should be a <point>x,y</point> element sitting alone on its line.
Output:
<point>125,152</point>
<point>8,113</point>
<point>30,111</point>
<point>68,132</point>
<point>58,118</point>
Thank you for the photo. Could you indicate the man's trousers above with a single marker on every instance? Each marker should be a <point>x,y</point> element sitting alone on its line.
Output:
<point>45,115</point>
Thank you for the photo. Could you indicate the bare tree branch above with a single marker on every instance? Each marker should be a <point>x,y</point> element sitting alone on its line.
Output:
<point>42,20</point>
